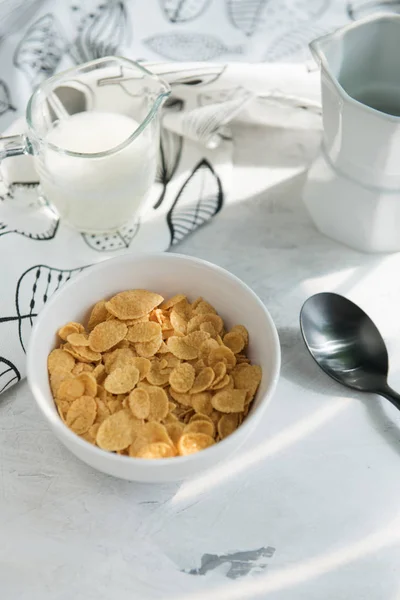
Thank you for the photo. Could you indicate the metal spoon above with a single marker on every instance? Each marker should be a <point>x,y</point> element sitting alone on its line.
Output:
<point>346,344</point>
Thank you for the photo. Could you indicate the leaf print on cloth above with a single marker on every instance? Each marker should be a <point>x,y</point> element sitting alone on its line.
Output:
<point>9,374</point>
<point>23,214</point>
<point>111,242</point>
<point>182,75</point>
<point>5,100</point>
<point>168,161</point>
<point>200,198</point>
<point>245,14</point>
<point>101,32</point>
<point>294,44</point>
<point>40,49</point>
<point>189,46</point>
<point>207,124</point>
<point>180,11</point>
<point>34,288</point>
<point>170,151</point>
<point>224,95</point>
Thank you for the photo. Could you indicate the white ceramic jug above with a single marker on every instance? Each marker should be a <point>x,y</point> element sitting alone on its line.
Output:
<point>353,188</point>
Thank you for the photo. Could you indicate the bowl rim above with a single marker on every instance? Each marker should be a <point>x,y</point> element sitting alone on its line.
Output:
<point>63,431</point>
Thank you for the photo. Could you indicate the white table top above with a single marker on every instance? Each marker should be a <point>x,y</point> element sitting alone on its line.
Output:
<point>309,509</point>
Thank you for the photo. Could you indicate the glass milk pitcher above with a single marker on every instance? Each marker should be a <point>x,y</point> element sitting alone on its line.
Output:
<point>353,188</point>
<point>94,134</point>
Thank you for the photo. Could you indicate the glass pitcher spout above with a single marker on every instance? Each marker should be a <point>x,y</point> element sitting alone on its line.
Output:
<point>14,145</point>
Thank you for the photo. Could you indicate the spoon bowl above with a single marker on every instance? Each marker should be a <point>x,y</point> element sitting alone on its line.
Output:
<point>346,344</point>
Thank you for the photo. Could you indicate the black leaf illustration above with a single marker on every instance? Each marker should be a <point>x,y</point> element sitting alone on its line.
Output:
<point>169,157</point>
<point>195,76</point>
<point>9,374</point>
<point>245,14</point>
<point>179,11</point>
<point>189,46</point>
<point>40,50</point>
<point>357,10</point>
<point>111,242</point>
<point>101,32</point>
<point>34,288</point>
<point>5,101</point>
<point>200,198</point>
<point>21,213</point>
<point>170,151</point>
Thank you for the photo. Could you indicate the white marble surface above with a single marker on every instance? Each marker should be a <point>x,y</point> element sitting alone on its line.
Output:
<point>318,486</point>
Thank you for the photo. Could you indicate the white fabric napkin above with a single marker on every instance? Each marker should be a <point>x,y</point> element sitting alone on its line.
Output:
<point>40,253</point>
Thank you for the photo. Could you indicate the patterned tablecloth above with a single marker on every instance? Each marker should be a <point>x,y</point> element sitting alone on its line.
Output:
<point>309,508</point>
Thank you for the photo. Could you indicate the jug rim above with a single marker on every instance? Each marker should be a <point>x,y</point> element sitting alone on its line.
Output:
<point>164,93</point>
<point>320,57</point>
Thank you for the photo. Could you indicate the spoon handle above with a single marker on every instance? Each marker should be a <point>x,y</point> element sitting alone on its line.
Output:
<point>390,395</point>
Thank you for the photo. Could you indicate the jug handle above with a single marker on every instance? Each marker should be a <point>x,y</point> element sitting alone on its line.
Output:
<point>14,145</point>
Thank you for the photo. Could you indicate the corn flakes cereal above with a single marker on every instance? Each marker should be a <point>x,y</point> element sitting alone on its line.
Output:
<point>106,335</point>
<point>178,322</point>
<point>234,341</point>
<point>247,377</point>
<point>175,430</point>
<point>227,424</point>
<point>70,328</point>
<point>81,367</point>
<point>158,403</point>
<point>243,332</point>
<point>98,315</point>
<point>223,354</point>
<point>203,308</point>
<point>143,365</point>
<point>200,426</point>
<point>58,359</point>
<point>156,450</point>
<point>206,347</point>
<point>121,381</point>
<point>149,349</point>
<point>172,301</point>
<point>182,378</point>
<point>99,373</point>
<point>139,403</point>
<point>229,401</point>
<point>144,332</point>
<point>78,339</point>
<point>201,403</point>
<point>81,414</point>
<point>203,381</point>
<point>71,389</point>
<point>184,399</point>
<point>151,378</point>
<point>115,432</point>
<point>179,348</point>
<point>189,443</point>
<point>90,383</point>
<point>158,374</point>
<point>57,376</point>
<point>214,319</point>
<point>82,353</point>
<point>133,304</point>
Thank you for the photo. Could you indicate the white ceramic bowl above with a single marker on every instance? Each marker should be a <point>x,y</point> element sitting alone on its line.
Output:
<point>167,274</point>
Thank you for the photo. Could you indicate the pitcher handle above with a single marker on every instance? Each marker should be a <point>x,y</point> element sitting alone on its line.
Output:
<point>14,145</point>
